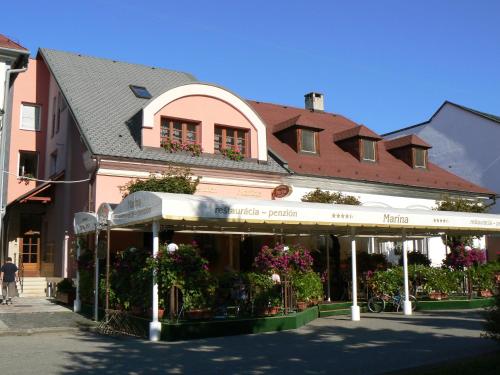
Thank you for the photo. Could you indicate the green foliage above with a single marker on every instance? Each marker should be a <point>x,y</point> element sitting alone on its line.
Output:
<point>174,180</point>
<point>387,282</point>
<point>483,276</point>
<point>307,285</point>
<point>130,278</point>
<point>320,196</point>
<point>441,280</point>
<point>265,293</point>
<point>460,205</point>
<point>188,271</point>
<point>415,257</point>
<point>86,269</point>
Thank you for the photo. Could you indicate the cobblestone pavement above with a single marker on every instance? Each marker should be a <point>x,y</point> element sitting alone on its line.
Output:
<point>32,315</point>
<point>377,344</point>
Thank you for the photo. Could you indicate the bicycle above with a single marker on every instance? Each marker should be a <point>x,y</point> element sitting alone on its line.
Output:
<point>378,303</point>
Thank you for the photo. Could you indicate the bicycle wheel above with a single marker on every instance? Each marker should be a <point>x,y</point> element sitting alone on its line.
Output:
<point>376,304</point>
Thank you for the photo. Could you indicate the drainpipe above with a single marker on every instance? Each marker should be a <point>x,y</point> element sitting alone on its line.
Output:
<point>3,144</point>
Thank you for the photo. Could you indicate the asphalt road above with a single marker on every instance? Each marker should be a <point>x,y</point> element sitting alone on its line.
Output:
<point>377,344</point>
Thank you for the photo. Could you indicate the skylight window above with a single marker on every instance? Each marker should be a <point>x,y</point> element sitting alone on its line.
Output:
<point>140,92</point>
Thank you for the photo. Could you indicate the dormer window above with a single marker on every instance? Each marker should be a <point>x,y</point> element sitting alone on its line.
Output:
<point>308,141</point>
<point>179,131</point>
<point>410,149</point>
<point>420,157</point>
<point>359,141</point>
<point>231,138</point>
<point>368,150</point>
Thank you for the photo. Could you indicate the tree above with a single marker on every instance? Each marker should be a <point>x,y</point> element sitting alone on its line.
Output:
<point>174,180</point>
<point>320,196</point>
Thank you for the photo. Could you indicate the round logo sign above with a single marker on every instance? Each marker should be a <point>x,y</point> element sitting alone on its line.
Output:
<point>282,191</point>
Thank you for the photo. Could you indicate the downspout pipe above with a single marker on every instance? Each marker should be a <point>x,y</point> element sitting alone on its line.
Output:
<point>3,147</point>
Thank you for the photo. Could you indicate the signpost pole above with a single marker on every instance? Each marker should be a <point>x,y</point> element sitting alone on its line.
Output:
<point>77,304</point>
<point>406,303</point>
<point>155,325</point>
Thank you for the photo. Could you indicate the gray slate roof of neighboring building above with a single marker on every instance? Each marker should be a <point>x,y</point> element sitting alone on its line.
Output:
<point>109,115</point>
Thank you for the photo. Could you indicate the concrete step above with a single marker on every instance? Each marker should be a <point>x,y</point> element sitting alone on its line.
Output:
<point>34,287</point>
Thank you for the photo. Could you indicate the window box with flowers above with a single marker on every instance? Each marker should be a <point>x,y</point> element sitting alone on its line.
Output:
<point>232,153</point>
<point>173,146</point>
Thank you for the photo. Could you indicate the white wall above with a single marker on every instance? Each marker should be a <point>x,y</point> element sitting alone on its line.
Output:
<point>464,144</point>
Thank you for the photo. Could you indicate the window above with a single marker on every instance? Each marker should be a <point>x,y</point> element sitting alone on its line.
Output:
<point>233,138</point>
<point>30,117</point>
<point>420,156</point>
<point>140,92</point>
<point>307,140</point>
<point>59,104</point>
<point>179,131</point>
<point>53,163</point>
<point>28,164</point>
<point>53,116</point>
<point>368,149</point>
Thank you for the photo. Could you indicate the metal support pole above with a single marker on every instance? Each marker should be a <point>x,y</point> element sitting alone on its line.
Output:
<point>65,255</point>
<point>108,246</point>
<point>406,303</point>
<point>96,275</point>
<point>355,312</point>
<point>77,304</point>
<point>328,294</point>
<point>155,325</point>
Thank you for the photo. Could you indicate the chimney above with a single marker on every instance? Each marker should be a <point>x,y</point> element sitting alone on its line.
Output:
<point>315,101</point>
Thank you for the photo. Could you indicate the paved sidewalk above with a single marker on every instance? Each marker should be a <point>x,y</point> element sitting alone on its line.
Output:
<point>36,315</point>
<point>379,343</point>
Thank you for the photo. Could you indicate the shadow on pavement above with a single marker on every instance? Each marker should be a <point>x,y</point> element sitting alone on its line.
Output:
<point>377,344</point>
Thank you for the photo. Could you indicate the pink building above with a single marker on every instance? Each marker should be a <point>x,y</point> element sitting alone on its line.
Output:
<point>84,126</point>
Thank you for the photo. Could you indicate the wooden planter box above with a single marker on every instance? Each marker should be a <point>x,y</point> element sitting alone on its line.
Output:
<point>66,298</point>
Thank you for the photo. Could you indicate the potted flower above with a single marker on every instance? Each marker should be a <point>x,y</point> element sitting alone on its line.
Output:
<point>440,282</point>
<point>195,305</point>
<point>232,153</point>
<point>483,280</point>
<point>307,287</point>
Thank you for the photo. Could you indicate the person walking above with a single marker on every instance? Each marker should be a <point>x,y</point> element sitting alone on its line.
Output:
<point>8,276</point>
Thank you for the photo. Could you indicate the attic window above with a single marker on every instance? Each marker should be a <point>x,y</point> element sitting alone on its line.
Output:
<point>308,141</point>
<point>368,149</point>
<point>140,92</point>
<point>420,158</point>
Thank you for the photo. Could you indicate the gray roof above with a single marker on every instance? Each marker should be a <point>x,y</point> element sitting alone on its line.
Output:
<point>109,115</point>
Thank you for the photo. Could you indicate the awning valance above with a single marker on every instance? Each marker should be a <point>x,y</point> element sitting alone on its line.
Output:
<point>144,207</point>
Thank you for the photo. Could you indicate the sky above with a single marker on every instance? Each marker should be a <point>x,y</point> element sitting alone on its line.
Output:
<point>386,64</point>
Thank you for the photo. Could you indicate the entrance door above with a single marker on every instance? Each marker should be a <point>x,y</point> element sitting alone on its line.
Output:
<point>29,250</point>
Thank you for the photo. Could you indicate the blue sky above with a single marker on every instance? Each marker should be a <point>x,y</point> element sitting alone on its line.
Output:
<point>386,64</point>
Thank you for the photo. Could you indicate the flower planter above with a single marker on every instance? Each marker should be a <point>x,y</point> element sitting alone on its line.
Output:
<point>161,313</point>
<point>301,306</point>
<point>199,314</point>
<point>274,310</point>
<point>438,296</point>
<point>485,293</point>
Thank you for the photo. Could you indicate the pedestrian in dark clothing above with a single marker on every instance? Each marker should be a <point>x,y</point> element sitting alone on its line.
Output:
<point>9,276</point>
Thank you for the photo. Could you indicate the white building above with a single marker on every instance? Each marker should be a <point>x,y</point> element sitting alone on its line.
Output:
<point>465,142</point>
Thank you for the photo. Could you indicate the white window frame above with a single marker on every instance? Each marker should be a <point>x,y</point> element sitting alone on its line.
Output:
<point>374,149</point>
<point>37,120</point>
<point>424,153</point>
<point>314,139</point>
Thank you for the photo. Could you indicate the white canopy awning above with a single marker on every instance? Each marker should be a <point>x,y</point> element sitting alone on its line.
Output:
<point>84,222</point>
<point>184,211</point>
